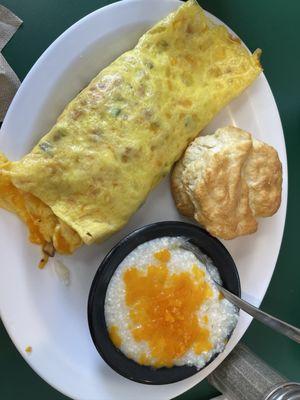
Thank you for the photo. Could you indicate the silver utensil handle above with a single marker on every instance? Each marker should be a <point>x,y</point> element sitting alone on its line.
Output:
<point>280,326</point>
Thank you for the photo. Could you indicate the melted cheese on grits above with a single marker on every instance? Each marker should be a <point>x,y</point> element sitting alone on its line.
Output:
<point>117,139</point>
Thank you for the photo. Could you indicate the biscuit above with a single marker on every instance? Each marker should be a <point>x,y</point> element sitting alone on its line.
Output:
<point>226,180</point>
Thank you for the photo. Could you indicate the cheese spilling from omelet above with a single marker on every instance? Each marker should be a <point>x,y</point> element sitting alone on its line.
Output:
<point>44,227</point>
<point>117,139</point>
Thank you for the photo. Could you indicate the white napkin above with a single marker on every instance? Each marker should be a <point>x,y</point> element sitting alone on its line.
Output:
<point>9,82</point>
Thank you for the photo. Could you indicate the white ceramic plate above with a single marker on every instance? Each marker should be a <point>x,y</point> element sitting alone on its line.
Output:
<point>36,308</point>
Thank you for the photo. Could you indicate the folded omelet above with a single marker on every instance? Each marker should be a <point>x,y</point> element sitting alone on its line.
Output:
<point>117,139</point>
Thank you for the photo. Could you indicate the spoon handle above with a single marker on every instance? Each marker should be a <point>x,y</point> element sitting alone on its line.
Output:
<point>280,326</point>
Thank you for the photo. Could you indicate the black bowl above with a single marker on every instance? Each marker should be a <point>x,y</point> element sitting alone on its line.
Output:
<point>96,318</point>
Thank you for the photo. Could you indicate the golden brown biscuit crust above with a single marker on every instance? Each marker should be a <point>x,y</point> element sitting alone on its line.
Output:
<point>226,180</point>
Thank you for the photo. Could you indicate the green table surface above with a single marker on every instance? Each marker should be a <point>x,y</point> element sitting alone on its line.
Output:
<point>272,25</point>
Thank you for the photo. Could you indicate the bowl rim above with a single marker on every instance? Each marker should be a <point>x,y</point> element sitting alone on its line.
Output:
<point>113,356</point>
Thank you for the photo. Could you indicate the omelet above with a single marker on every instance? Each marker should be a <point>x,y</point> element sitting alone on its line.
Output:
<point>121,135</point>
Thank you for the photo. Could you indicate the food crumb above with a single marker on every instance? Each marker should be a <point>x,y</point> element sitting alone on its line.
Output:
<point>43,261</point>
<point>28,349</point>
<point>62,272</point>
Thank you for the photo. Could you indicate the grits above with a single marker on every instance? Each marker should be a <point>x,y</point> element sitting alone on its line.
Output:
<point>215,316</point>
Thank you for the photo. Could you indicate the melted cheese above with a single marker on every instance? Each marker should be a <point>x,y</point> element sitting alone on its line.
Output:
<point>163,310</point>
<point>44,227</point>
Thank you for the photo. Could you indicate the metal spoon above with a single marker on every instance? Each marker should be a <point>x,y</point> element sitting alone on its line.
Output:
<point>280,326</point>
